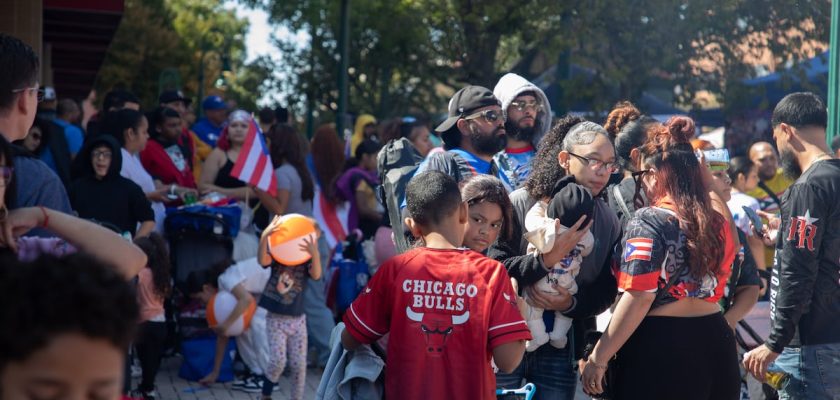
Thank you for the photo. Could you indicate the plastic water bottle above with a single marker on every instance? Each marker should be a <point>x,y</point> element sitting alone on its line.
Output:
<point>777,380</point>
<point>217,226</point>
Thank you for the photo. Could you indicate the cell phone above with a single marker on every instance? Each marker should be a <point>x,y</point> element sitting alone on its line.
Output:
<point>717,159</point>
<point>758,225</point>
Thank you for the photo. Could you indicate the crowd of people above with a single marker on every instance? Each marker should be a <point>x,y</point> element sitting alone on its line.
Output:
<point>523,228</point>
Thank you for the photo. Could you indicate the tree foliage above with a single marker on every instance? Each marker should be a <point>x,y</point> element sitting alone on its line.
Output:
<point>162,45</point>
<point>408,55</point>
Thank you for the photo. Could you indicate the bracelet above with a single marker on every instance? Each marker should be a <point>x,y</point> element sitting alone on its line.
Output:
<point>46,217</point>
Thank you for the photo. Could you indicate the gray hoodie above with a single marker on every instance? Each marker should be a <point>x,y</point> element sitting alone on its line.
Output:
<point>516,166</point>
<point>512,85</point>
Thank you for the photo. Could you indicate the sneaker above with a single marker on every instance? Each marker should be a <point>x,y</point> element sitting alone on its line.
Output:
<point>252,384</point>
<point>139,394</point>
<point>239,382</point>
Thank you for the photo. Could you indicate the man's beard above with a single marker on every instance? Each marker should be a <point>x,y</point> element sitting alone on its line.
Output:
<point>488,144</point>
<point>790,166</point>
<point>525,134</point>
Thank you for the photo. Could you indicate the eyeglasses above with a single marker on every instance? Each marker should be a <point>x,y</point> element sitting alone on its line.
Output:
<point>638,200</point>
<point>39,91</point>
<point>523,105</point>
<point>6,175</point>
<point>490,116</point>
<point>597,165</point>
<point>105,155</point>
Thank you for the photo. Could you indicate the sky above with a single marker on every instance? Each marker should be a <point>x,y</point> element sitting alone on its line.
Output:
<point>258,41</point>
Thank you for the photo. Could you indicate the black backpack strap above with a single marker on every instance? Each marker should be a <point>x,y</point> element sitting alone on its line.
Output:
<point>767,189</point>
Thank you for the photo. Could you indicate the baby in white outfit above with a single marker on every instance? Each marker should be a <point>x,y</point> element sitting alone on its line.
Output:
<point>570,202</point>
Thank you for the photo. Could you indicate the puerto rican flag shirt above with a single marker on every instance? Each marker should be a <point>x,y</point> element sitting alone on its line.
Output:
<point>445,310</point>
<point>654,248</point>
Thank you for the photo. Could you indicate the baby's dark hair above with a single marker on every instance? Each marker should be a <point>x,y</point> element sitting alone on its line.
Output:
<point>157,253</point>
<point>431,197</point>
<point>210,276</point>
<point>50,297</point>
<point>489,189</point>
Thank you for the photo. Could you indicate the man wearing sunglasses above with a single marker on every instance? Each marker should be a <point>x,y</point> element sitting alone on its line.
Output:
<point>472,134</point>
<point>20,93</point>
<point>527,119</point>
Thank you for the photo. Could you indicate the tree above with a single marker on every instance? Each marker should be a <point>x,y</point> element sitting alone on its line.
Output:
<point>412,54</point>
<point>158,37</point>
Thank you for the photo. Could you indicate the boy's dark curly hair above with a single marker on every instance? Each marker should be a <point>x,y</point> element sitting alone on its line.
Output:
<point>49,297</point>
<point>545,169</point>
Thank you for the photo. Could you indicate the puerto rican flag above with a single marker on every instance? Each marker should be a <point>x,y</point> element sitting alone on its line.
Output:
<point>332,218</point>
<point>253,165</point>
<point>638,249</point>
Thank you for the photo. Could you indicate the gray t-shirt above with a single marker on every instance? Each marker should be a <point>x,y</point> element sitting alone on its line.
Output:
<point>38,185</point>
<point>288,179</point>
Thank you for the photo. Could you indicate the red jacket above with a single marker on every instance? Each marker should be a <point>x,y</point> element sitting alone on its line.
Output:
<point>160,166</point>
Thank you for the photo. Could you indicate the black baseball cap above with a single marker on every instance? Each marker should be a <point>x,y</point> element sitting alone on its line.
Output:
<point>464,102</point>
<point>173,95</point>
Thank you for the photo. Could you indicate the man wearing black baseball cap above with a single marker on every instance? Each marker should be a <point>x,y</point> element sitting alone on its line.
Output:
<point>176,100</point>
<point>472,134</point>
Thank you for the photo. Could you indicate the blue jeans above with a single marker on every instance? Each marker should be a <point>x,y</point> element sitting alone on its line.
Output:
<point>814,372</point>
<point>547,367</point>
<point>319,318</point>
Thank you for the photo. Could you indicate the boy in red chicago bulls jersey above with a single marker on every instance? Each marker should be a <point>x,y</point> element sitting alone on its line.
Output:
<point>448,310</point>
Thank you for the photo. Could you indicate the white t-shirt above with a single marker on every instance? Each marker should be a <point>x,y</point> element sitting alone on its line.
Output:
<point>249,273</point>
<point>737,201</point>
<point>133,170</point>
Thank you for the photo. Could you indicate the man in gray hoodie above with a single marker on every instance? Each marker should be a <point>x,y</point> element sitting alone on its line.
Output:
<point>528,118</point>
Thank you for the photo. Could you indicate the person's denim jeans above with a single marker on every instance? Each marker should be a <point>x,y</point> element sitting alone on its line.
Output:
<point>549,368</point>
<point>814,372</point>
<point>319,318</point>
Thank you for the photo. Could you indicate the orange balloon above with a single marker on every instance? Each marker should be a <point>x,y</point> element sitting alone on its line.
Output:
<point>285,241</point>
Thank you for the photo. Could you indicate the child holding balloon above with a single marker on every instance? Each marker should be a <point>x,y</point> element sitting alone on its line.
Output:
<point>289,246</point>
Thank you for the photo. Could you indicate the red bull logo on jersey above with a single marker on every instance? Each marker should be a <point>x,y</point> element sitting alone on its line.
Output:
<point>436,328</point>
<point>803,231</point>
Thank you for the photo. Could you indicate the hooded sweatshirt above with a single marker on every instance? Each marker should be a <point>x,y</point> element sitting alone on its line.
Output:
<point>516,164</point>
<point>113,199</point>
<point>359,133</point>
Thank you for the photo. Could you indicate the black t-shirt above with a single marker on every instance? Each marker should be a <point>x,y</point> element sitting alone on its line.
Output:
<point>283,293</point>
<point>115,200</point>
<point>805,287</point>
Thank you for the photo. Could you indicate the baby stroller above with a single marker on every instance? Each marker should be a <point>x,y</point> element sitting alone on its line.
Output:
<point>199,237</point>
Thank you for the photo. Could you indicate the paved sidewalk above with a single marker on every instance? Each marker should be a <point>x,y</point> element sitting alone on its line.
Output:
<point>171,387</point>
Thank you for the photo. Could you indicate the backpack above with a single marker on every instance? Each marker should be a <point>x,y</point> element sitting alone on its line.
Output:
<point>396,163</point>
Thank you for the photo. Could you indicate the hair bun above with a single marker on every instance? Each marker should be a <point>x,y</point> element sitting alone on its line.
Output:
<point>681,129</point>
<point>623,113</point>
